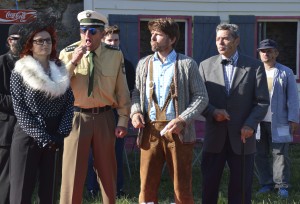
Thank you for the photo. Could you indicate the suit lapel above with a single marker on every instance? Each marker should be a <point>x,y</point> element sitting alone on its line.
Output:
<point>238,76</point>
<point>218,73</point>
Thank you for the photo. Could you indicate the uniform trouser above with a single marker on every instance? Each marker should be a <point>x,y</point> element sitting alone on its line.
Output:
<point>27,161</point>
<point>278,171</point>
<point>91,178</point>
<point>4,174</point>
<point>96,130</point>
<point>155,151</point>
<point>91,182</point>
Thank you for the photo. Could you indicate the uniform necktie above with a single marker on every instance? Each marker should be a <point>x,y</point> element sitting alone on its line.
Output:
<point>91,74</point>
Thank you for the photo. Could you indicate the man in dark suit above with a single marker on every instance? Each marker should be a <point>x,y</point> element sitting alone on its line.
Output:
<point>7,117</point>
<point>238,101</point>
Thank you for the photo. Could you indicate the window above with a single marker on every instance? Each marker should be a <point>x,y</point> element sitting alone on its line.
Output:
<point>286,33</point>
<point>184,43</point>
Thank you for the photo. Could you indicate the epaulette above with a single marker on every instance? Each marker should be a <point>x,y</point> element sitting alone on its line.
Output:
<point>112,47</point>
<point>70,48</point>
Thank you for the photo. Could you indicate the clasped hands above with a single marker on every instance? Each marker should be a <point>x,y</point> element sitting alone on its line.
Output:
<point>222,115</point>
<point>174,126</point>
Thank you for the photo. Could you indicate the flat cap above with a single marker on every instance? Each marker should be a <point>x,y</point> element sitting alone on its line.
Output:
<point>14,29</point>
<point>267,44</point>
<point>91,18</point>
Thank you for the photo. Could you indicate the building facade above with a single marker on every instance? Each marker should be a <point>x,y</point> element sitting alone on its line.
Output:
<point>257,19</point>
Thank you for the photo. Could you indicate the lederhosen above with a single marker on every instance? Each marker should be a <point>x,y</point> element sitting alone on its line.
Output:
<point>157,149</point>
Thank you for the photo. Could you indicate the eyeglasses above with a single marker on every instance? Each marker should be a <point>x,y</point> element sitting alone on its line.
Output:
<point>42,41</point>
<point>92,31</point>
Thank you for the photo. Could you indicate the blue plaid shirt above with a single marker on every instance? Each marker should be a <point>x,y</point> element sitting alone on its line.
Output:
<point>162,78</point>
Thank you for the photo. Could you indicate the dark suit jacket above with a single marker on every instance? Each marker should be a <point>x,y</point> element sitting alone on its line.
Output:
<point>246,104</point>
<point>7,118</point>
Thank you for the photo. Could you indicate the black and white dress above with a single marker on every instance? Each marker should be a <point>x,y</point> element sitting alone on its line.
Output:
<point>37,96</point>
<point>43,105</point>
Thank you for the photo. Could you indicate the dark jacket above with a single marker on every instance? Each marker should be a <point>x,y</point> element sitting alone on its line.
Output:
<point>7,118</point>
<point>247,102</point>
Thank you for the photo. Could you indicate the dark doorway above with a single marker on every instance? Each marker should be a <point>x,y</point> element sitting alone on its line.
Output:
<point>285,34</point>
<point>145,48</point>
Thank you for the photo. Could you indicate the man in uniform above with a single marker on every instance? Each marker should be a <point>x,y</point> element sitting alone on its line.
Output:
<point>99,84</point>
<point>112,37</point>
<point>7,117</point>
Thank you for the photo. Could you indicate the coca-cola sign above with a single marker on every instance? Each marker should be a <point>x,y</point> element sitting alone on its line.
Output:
<point>10,16</point>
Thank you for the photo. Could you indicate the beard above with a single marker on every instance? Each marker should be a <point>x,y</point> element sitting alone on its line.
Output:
<point>154,46</point>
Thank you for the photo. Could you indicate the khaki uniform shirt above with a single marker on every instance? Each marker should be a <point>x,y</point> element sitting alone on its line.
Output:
<point>110,86</point>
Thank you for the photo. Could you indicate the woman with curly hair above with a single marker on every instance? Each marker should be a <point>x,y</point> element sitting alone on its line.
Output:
<point>43,104</point>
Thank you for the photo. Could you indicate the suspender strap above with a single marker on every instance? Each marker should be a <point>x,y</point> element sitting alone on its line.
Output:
<point>151,86</point>
<point>160,113</point>
<point>174,88</point>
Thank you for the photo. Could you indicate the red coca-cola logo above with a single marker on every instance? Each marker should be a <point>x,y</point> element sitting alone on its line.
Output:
<point>16,16</point>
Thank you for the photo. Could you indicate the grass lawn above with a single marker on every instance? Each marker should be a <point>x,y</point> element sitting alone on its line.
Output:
<point>166,188</point>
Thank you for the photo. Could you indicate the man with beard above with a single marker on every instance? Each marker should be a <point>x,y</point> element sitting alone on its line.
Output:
<point>99,84</point>
<point>7,116</point>
<point>168,96</point>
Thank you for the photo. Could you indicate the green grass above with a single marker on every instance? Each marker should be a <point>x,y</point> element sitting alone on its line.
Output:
<point>132,185</point>
<point>166,189</point>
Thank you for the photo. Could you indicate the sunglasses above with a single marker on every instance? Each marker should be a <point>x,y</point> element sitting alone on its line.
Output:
<point>43,41</point>
<point>92,31</point>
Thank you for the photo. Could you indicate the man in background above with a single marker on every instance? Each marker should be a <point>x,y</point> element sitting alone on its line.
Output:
<point>279,124</point>
<point>7,117</point>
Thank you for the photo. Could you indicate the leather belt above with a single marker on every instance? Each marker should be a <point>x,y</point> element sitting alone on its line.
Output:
<point>95,110</point>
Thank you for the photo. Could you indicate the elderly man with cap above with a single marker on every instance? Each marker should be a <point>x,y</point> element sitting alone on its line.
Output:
<point>99,84</point>
<point>279,124</point>
<point>7,117</point>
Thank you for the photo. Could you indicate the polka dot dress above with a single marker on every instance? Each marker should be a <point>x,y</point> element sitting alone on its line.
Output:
<point>32,107</point>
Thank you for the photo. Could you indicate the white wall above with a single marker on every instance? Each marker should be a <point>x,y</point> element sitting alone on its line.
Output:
<point>222,8</point>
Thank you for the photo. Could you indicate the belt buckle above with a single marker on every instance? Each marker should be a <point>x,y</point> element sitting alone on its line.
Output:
<point>95,110</point>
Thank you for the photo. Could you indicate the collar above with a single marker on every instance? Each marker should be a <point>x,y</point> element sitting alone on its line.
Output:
<point>234,57</point>
<point>97,51</point>
<point>34,76</point>
<point>170,58</point>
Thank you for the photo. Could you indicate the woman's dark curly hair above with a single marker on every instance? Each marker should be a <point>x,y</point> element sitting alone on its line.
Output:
<point>44,21</point>
<point>27,47</point>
